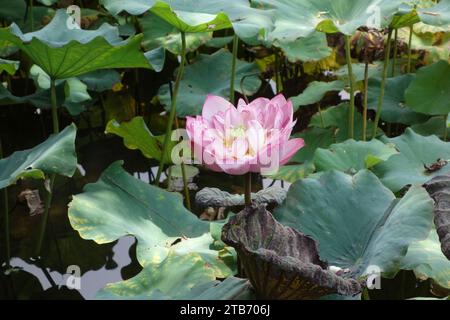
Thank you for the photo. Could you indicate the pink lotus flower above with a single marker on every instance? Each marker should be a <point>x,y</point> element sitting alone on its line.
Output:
<point>250,138</point>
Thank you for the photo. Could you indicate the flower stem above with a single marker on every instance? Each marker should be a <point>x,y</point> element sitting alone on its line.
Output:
<point>383,85</point>
<point>351,113</point>
<point>4,197</point>
<point>366,98</point>
<point>233,67</point>
<point>31,12</point>
<point>394,61</point>
<point>411,30</point>
<point>185,182</point>
<point>173,108</point>
<point>48,196</point>
<point>248,189</point>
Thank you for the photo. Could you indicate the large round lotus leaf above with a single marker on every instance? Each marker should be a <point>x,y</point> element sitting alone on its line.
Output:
<point>299,18</point>
<point>433,126</point>
<point>160,33</point>
<point>39,99</point>
<point>119,204</point>
<point>394,108</point>
<point>55,155</point>
<point>137,136</point>
<point>312,48</point>
<point>210,74</point>
<point>293,173</point>
<point>410,166</point>
<point>134,7</point>
<point>63,52</point>
<point>356,220</point>
<point>438,15</point>
<point>315,92</point>
<point>429,92</point>
<point>427,260</point>
<point>12,10</point>
<point>351,156</point>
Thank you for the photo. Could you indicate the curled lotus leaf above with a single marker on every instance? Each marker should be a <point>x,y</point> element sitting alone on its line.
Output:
<point>214,197</point>
<point>280,262</point>
<point>439,190</point>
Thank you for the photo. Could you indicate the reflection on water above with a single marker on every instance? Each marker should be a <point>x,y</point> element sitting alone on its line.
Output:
<point>88,283</point>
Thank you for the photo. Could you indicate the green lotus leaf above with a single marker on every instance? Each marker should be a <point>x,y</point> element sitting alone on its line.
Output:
<point>356,220</point>
<point>315,92</point>
<point>133,7</point>
<point>119,204</point>
<point>426,259</point>
<point>101,80</point>
<point>65,53</point>
<point>300,18</point>
<point>219,42</point>
<point>159,33</point>
<point>55,155</point>
<point>438,15</point>
<point>351,156</point>
<point>39,99</point>
<point>12,10</point>
<point>292,173</point>
<point>394,108</point>
<point>137,136</point>
<point>409,167</point>
<point>48,2</point>
<point>210,74</point>
<point>316,137</point>
<point>375,70</point>
<point>337,117</point>
<point>9,66</point>
<point>434,126</point>
<point>312,48</point>
<point>429,92</point>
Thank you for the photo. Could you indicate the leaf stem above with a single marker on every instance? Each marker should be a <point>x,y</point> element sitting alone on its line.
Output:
<point>366,98</point>
<point>4,197</point>
<point>48,196</point>
<point>411,30</point>
<point>248,189</point>
<point>233,67</point>
<point>32,15</point>
<point>383,85</point>
<point>351,113</point>
<point>173,108</point>
<point>394,61</point>
<point>187,194</point>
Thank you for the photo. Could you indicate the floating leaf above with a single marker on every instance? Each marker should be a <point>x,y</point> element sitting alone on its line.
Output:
<point>55,155</point>
<point>429,92</point>
<point>356,220</point>
<point>351,156</point>
<point>63,52</point>
<point>312,48</point>
<point>394,109</point>
<point>438,15</point>
<point>210,74</point>
<point>316,91</point>
<point>410,166</point>
<point>292,173</point>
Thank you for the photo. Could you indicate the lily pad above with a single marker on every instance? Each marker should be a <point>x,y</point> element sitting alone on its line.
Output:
<point>281,262</point>
<point>316,137</point>
<point>9,66</point>
<point>65,53</point>
<point>316,91</point>
<point>356,220</point>
<point>427,261</point>
<point>210,74</point>
<point>119,204</point>
<point>409,167</point>
<point>351,156</point>
<point>433,126</point>
<point>394,109</point>
<point>312,48</point>
<point>438,15</point>
<point>294,172</point>
<point>429,92</point>
<point>55,155</point>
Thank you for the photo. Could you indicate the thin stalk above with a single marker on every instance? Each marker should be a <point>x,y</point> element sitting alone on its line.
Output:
<point>383,85</point>
<point>366,98</point>
<point>411,30</point>
<point>248,189</point>
<point>277,73</point>
<point>445,128</point>
<point>173,107</point>
<point>233,67</point>
<point>4,197</point>
<point>394,61</point>
<point>187,194</point>
<point>322,122</point>
<point>48,196</point>
<point>351,113</point>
